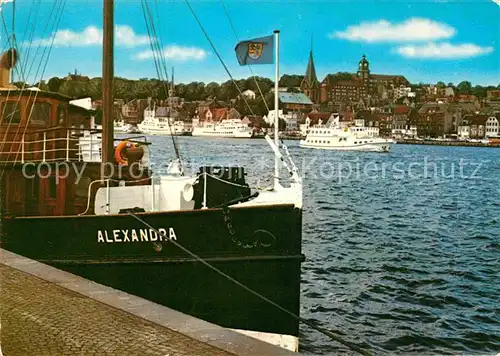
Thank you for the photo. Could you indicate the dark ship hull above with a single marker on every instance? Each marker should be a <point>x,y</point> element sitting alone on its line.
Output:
<point>258,246</point>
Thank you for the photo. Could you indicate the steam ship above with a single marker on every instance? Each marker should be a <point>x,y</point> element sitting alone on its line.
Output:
<point>75,198</point>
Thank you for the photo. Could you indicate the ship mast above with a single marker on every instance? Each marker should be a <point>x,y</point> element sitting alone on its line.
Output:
<point>107,82</point>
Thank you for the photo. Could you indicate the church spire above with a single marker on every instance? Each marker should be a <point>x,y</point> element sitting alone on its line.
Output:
<point>310,83</point>
<point>310,76</point>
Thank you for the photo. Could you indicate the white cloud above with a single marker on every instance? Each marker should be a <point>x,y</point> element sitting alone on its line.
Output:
<point>176,52</point>
<point>443,51</point>
<point>91,35</point>
<point>413,29</point>
<point>126,36</point>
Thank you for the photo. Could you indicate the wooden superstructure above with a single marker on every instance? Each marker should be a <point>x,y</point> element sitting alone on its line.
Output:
<point>43,170</point>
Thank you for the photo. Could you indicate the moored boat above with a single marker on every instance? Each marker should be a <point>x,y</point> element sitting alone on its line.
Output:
<point>75,198</point>
<point>121,127</point>
<point>230,128</point>
<point>157,121</point>
<point>357,137</point>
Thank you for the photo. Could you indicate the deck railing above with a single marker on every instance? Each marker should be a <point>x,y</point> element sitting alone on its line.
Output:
<point>58,144</point>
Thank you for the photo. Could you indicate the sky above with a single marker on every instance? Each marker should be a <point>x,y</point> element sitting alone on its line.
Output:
<point>426,41</point>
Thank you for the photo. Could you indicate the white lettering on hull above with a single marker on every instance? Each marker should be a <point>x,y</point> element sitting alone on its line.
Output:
<point>135,235</point>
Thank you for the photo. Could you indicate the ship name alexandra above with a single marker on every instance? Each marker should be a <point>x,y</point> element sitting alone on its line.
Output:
<point>135,235</point>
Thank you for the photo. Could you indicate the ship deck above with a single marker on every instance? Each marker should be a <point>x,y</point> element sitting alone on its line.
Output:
<point>46,311</point>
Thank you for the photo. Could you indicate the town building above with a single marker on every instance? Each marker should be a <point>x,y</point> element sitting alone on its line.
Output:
<point>342,87</point>
<point>446,92</point>
<point>291,119</point>
<point>133,111</point>
<point>218,114</point>
<point>400,117</point>
<point>402,92</point>
<point>493,126</point>
<point>254,121</point>
<point>363,85</point>
<point>493,95</point>
<point>402,126</point>
<point>296,102</point>
<point>476,126</point>
<point>436,120</point>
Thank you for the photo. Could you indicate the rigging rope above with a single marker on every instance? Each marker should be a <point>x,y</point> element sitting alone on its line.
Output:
<point>218,55</point>
<point>158,67</point>
<point>28,42</point>
<point>57,17</point>
<point>328,333</point>
<point>249,66</point>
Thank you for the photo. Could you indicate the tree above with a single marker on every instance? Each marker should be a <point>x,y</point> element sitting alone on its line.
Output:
<point>212,90</point>
<point>450,84</point>
<point>441,85</point>
<point>293,80</point>
<point>74,89</point>
<point>479,91</point>
<point>464,87</point>
<point>95,88</point>
<point>343,76</point>
<point>54,84</point>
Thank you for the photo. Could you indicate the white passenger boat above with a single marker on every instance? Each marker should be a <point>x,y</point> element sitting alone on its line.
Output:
<point>357,137</point>
<point>226,128</point>
<point>157,121</point>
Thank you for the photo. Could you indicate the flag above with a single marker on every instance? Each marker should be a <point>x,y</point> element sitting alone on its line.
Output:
<point>1,3</point>
<point>256,51</point>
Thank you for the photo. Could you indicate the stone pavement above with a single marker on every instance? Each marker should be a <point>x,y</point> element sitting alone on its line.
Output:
<point>39,318</point>
<point>52,317</point>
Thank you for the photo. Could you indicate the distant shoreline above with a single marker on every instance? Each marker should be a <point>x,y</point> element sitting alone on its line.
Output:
<point>423,142</point>
<point>447,143</point>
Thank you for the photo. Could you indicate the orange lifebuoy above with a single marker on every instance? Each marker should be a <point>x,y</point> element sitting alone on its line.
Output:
<point>118,153</point>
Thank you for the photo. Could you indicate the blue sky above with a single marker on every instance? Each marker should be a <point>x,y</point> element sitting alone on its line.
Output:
<point>426,41</point>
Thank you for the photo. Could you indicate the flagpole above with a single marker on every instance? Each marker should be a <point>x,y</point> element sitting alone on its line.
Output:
<point>276,108</point>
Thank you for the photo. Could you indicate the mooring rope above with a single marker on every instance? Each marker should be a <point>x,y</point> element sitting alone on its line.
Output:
<point>328,333</point>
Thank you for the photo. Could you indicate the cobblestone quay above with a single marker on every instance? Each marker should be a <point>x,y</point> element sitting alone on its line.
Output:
<point>40,318</point>
<point>45,311</point>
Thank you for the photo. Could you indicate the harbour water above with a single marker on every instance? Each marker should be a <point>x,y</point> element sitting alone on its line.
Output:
<point>402,249</point>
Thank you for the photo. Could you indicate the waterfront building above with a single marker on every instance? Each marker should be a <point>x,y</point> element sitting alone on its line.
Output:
<point>493,126</point>
<point>291,119</point>
<point>473,126</point>
<point>252,120</point>
<point>463,131</point>
<point>436,119</point>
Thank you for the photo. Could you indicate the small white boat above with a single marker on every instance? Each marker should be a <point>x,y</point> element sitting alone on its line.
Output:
<point>226,128</point>
<point>158,122</point>
<point>349,138</point>
<point>119,126</point>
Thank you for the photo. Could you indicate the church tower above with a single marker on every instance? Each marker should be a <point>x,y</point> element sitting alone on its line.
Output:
<point>364,70</point>
<point>310,83</point>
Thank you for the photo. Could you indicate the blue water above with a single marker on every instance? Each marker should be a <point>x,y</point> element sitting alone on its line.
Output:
<point>402,249</point>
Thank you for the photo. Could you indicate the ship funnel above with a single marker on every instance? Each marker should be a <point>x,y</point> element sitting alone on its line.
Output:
<point>7,62</point>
